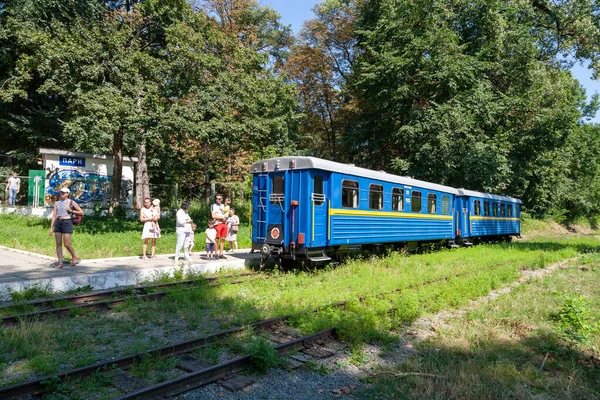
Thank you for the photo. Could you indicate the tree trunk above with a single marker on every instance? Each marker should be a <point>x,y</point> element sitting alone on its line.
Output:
<point>115,185</point>
<point>142,189</point>
<point>206,176</point>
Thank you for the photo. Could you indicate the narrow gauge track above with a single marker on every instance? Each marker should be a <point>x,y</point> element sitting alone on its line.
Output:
<point>107,299</point>
<point>198,374</point>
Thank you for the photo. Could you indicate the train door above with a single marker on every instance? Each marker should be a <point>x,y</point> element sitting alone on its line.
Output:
<point>465,214</point>
<point>275,209</point>
<point>319,205</point>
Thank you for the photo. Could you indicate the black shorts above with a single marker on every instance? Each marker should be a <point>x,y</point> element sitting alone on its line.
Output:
<point>63,226</point>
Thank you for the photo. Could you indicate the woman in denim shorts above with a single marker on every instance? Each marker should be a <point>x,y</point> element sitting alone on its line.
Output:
<point>62,226</point>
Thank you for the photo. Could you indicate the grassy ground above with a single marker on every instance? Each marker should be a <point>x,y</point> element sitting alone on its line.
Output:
<point>541,341</point>
<point>98,237</point>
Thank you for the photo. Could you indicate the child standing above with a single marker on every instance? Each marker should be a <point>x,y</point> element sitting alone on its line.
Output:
<point>233,226</point>
<point>156,213</point>
<point>211,237</point>
<point>193,228</point>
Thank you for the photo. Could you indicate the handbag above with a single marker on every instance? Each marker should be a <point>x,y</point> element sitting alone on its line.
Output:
<point>76,218</point>
<point>235,228</point>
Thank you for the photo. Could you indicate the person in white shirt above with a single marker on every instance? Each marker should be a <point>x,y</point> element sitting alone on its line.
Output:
<point>183,229</point>
<point>211,237</point>
<point>12,188</point>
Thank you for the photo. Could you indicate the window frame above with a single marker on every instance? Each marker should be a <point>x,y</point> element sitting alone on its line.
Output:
<point>318,197</point>
<point>477,207</point>
<point>413,198</point>
<point>446,204</point>
<point>277,196</point>
<point>375,194</point>
<point>397,194</point>
<point>354,189</point>
<point>486,208</point>
<point>431,203</point>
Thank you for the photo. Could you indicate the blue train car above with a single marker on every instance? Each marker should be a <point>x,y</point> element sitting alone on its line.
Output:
<point>312,209</point>
<point>485,216</point>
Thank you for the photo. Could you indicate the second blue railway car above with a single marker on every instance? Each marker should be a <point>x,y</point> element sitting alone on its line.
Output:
<point>310,209</point>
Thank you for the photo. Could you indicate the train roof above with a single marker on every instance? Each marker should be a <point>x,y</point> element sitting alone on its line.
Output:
<point>473,193</point>
<point>302,162</point>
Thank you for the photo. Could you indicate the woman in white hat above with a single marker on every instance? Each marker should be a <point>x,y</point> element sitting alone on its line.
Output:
<point>62,226</point>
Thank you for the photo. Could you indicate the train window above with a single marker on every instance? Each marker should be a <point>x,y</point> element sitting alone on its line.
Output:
<point>486,208</point>
<point>509,210</point>
<point>494,209</point>
<point>502,210</point>
<point>477,207</point>
<point>446,205</point>
<point>276,196</point>
<point>318,194</point>
<point>431,200</point>
<point>398,199</point>
<point>349,194</point>
<point>376,197</point>
<point>415,205</point>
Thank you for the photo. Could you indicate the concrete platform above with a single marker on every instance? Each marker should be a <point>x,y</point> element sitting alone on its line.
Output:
<point>20,270</point>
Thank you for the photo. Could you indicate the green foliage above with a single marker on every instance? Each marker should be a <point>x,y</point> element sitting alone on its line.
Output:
<point>262,355</point>
<point>573,319</point>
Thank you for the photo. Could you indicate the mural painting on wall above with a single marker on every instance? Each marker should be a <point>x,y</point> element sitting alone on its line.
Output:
<point>87,188</point>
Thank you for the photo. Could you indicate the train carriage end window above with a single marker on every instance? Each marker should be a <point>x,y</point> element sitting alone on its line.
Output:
<point>431,201</point>
<point>477,207</point>
<point>376,197</point>
<point>494,209</point>
<point>502,210</point>
<point>276,196</point>
<point>349,194</point>
<point>415,203</point>
<point>509,210</point>
<point>446,205</point>
<point>486,208</point>
<point>318,193</point>
<point>397,199</point>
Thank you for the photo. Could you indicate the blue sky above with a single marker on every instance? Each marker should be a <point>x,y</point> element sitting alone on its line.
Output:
<point>295,12</point>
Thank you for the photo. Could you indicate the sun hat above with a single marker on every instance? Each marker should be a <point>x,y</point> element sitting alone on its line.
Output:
<point>65,190</point>
<point>156,202</point>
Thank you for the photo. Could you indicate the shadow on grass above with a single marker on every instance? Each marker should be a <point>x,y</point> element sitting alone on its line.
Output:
<point>555,246</point>
<point>537,366</point>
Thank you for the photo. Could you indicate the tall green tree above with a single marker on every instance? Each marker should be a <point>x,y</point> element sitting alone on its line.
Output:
<point>463,93</point>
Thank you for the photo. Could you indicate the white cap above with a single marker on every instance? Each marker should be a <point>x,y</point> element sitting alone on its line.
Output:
<point>65,190</point>
<point>156,202</point>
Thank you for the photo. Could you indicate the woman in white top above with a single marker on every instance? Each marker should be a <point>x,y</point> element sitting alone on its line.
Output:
<point>62,226</point>
<point>183,231</point>
<point>150,231</point>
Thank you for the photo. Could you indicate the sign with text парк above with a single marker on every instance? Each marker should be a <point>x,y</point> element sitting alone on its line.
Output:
<point>71,161</point>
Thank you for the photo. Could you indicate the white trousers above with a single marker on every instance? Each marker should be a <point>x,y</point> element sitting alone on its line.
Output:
<point>183,240</point>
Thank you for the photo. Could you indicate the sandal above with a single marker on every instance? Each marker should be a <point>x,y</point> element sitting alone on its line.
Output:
<point>73,262</point>
<point>153,258</point>
<point>59,266</point>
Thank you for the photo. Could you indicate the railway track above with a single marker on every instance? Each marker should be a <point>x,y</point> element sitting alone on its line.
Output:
<point>196,373</point>
<point>106,299</point>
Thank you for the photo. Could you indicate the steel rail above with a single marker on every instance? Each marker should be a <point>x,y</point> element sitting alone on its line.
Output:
<point>214,373</point>
<point>104,294</point>
<point>37,386</point>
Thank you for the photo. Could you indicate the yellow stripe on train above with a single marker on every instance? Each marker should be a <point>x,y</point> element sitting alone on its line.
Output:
<point>364,213</point>
<point>494,218</point>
